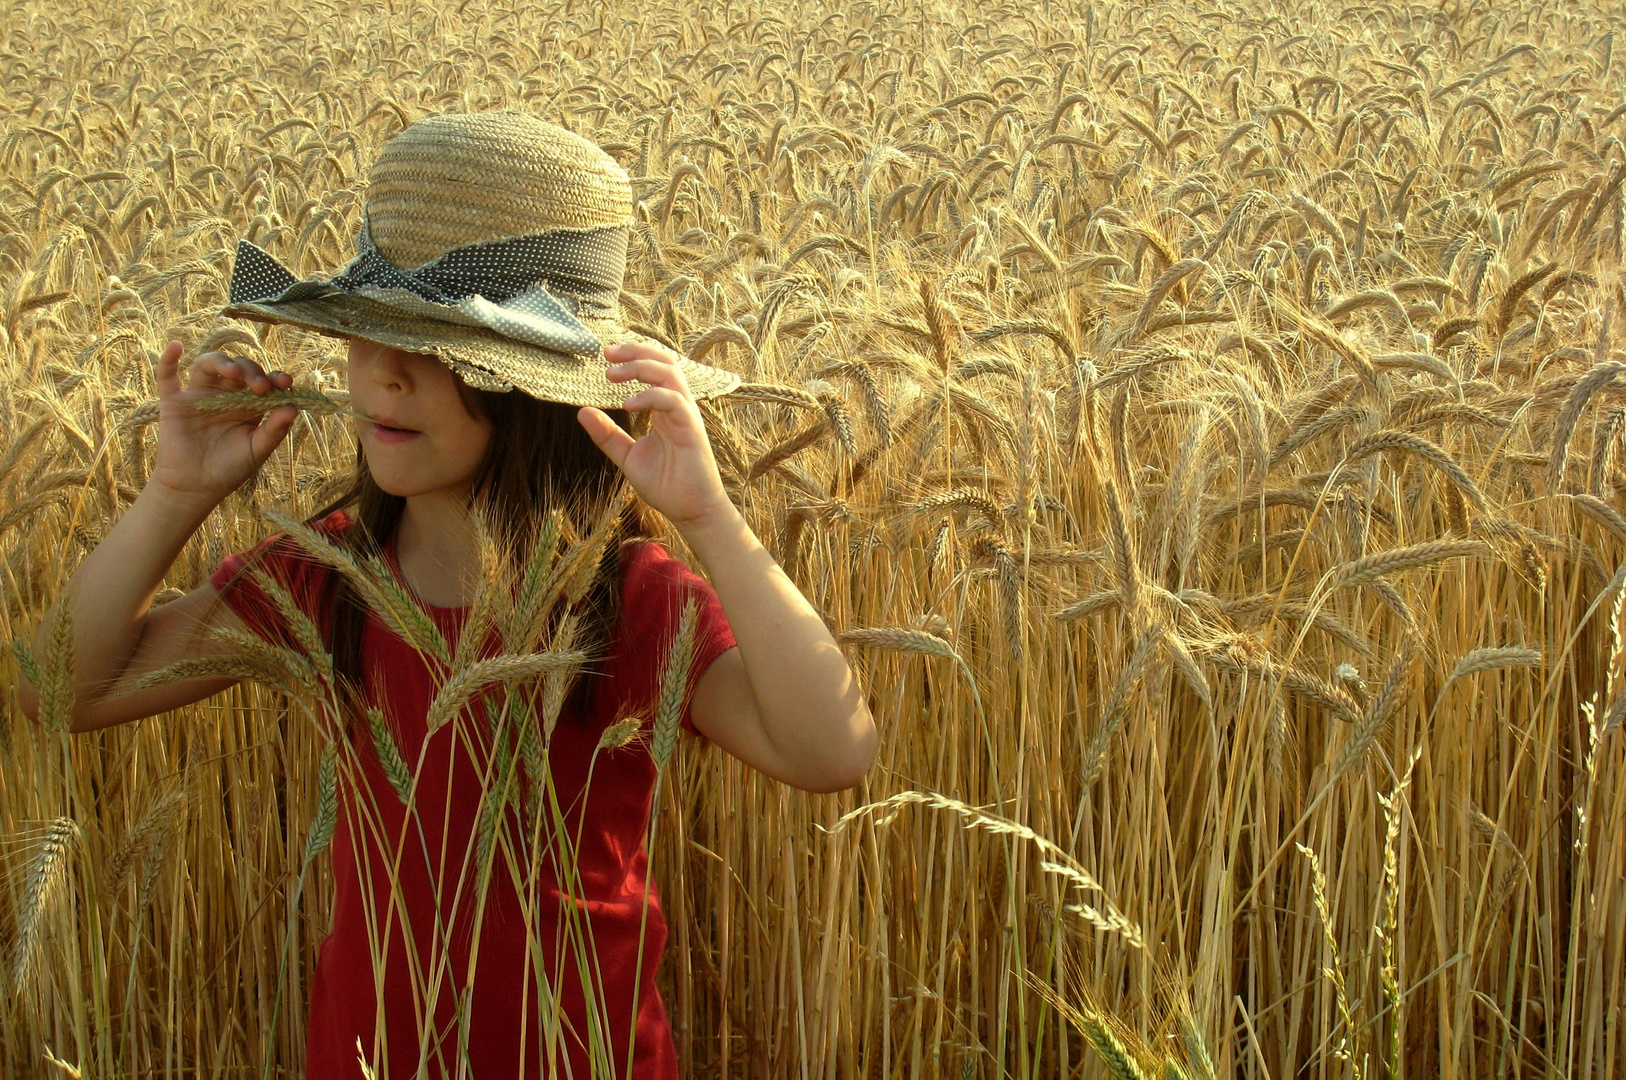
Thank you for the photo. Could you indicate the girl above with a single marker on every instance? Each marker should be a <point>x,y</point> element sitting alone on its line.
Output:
<point>489,258</point>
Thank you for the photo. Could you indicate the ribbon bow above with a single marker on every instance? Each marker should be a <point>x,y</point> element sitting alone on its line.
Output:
<point>508,285</point>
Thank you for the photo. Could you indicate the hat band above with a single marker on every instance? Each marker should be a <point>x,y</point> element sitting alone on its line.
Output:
<point>535,287</point>
<point>586,265</point>
<point>582,265</point>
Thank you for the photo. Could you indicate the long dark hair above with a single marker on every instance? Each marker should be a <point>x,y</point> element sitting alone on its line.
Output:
<point>539,458</point>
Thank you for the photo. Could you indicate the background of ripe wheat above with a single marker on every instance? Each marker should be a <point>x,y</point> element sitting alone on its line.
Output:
<point>1212,416</point>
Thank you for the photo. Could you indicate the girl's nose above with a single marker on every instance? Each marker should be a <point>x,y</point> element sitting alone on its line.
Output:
<point>384,366</point>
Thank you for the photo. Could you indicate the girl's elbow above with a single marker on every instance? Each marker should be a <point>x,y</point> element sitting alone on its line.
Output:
<point>28,699</point>
<point>850,772</point>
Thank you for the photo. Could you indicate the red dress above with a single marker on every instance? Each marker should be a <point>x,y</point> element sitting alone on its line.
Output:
<point>589,963</point>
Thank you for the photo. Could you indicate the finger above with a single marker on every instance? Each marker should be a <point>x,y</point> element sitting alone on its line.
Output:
<point>606,434</point>
<point>651,371</point>
<point>633,350</point>
<point>212,371</point>
<point>253,375</point>
<point>169,369</point>
<point>271,431</point>
<point>659,399</point>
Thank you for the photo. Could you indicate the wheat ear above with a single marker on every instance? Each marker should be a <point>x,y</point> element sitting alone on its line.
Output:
<point>304,629</point>
<point>531,606</point>
<point>373,579</point>
<point>620,733</point>
<point>1495,658</point>
<point>507,668</point>
<point>674,687</point>
<point>44,875</point>
<point>56,686</point>
<point>1604,514</point>
<point>1428,451</point>
<point>327,804</point>
<point>312,401</point>
<point>1369,568</point>
<point>394,765</point>
<point>1378,710</point>
<point>1564,425</point>
<point>980,819</point>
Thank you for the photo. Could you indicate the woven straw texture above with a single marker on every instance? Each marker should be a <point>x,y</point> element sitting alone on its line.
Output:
<point>457,179</point>
<point>466,177</point>
<point>484,359</point>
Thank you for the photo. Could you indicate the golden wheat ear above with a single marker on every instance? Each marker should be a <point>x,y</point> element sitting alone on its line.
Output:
<point>674,686</point>
<point>149,841</point>
<point>507,669</point>
<point>45,874</point>
<point>375,582</point>
<point>53,681</point>
<point>305,630</point>
<point>537,585</point>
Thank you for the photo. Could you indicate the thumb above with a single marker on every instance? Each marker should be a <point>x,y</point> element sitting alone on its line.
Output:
<point>271,431</point>
<point>606,434</point>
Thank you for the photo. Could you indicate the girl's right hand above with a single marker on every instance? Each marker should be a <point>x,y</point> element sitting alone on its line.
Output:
<point>205,456</point>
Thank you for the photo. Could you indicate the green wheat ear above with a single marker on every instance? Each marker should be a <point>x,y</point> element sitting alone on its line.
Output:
<point>313,401</point>
<point>674,686</point>
<point>30,667</point>
<point>1196,1048</point>
<point>56,682</point>
<point>1119,1061</point>
<point>395,767</point>
<point>327,804</point>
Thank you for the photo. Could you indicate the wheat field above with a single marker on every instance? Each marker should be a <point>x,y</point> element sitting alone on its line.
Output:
<point>1201,424</point>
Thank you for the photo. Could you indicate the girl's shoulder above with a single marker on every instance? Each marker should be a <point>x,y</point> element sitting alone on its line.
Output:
<point>652,575</point>
<point>283,555</point>
<point>655,588</point>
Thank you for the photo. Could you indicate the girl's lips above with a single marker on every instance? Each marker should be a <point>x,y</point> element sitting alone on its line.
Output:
<point>392,435</point>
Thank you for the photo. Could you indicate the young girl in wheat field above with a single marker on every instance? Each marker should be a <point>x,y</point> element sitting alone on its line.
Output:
<point>493,917</point>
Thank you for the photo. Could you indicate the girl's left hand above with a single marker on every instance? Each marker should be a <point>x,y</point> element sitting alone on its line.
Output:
<point>671,466</point>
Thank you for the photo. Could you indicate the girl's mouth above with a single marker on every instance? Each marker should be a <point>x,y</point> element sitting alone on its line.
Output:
<point>385,433</point>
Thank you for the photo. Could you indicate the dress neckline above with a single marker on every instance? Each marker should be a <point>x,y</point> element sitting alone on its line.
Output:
<point>393,559</point>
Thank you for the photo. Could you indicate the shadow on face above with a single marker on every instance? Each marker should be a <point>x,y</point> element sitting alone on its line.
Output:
<point>423,436</point>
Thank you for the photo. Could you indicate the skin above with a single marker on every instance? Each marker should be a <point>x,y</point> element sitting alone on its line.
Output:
<point>784,700</point>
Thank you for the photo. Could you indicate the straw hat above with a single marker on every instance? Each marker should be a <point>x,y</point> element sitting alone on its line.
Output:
<point>494,241</point>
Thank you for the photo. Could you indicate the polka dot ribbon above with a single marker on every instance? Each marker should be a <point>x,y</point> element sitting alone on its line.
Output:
<point>529,288</point>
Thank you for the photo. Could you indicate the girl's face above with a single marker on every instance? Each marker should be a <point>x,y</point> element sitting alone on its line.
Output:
<point>421,437</point>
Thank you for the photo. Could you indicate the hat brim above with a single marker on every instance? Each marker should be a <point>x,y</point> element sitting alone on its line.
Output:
<point>537,371</point>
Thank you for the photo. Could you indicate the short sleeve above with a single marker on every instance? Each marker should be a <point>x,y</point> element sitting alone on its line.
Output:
<point>656,586</point>
<point>286,563</point>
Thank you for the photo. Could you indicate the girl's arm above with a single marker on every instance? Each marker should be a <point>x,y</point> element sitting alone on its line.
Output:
<point>784,701</point>
<point>201,458</point>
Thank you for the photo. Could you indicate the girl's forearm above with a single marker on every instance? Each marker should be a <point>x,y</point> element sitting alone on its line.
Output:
<point>810,704</point>
<point>113,588</point>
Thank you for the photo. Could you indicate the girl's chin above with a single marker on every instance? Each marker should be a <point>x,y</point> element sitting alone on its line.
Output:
<point>404,486</point>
